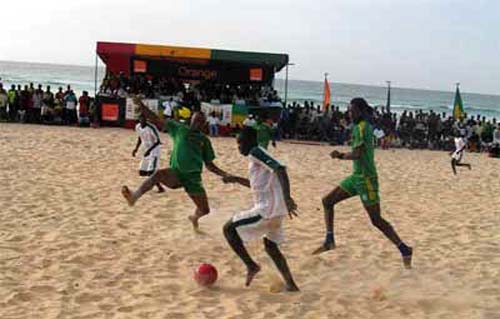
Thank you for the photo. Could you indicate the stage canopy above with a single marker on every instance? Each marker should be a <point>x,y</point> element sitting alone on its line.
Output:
<point>220,66</point>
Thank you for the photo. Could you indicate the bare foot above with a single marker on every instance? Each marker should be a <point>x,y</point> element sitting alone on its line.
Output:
<point>128,195</point>
<point>407,259</point>
<point>251,272</point>
<point>292,288</point>
<point>194,220</point>
<point>324,247</point>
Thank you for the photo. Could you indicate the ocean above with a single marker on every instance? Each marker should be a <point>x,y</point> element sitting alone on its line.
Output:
<point>82,78</point>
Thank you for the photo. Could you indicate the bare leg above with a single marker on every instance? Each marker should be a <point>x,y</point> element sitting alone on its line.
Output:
<point>202,208</point>
<point>236,244</point>
<point>453,163</point>
<point>160,188</point>
<point>329,201</point>
<point>166,177</point>
<point>386,228</point>
<point>279,260</point>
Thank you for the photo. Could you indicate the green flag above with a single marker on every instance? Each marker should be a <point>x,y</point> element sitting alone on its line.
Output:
<point>458,106</point>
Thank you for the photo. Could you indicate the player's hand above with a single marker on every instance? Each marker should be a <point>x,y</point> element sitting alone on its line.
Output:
<point>229,179</point>
<point>147,153</point>
<point>335,154</point>
<point>292,208</point>
<point>134,152</point>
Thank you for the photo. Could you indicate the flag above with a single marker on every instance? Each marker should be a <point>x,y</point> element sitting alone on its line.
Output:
<point>458,106</point>
<point>327,95</point>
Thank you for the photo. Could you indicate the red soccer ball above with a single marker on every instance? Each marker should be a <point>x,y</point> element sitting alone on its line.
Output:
<point>205,275</point>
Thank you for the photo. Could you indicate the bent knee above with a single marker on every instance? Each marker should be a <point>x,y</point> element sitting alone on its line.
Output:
<point>328,201</point>
<point>228,228</point>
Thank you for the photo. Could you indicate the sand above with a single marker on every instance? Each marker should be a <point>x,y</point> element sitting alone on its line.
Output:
<point>70,247</point>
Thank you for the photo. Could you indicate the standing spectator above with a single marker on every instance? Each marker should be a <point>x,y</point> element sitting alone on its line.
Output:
<point>38,108</point>
<point>213,123</point>
<point>70,108</point>
<point>169,108</point>
<point>3,103</point>
<point>13,103</point>
<point>83,110</point>
<point>48,104</point>
<point>24,105</point>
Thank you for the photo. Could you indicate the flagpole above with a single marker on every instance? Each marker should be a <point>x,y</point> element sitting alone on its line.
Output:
<point>388,105</point>
<point>286,83</point>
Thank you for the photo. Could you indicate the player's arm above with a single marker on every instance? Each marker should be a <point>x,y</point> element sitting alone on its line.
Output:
<point>211,167</point>
<point>150,115</point>
<point>230,179</point>
<point>136,146</point>
<point>285,186</point>
<point>351,156</point>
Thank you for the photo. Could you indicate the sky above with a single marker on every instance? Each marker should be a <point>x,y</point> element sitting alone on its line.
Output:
<point>428,44</point>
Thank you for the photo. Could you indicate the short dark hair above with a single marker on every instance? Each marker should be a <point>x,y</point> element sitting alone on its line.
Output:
<point>248,137</point>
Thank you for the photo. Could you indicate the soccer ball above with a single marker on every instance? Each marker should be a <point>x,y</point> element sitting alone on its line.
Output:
<point>205,275</point>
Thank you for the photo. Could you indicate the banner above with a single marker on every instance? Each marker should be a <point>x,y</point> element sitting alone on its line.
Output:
<point>130,108</point>
<point>110,112</point>
<point>224,112</point>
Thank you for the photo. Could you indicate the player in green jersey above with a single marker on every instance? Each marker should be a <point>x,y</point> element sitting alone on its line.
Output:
<point>191,149</point>
<point>363,182</point>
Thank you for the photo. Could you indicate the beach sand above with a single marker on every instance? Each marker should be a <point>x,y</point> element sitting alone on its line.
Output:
<point>70,247</point>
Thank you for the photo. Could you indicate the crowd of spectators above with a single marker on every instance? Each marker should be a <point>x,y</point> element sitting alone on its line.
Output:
<point>420,129</point>
<point>35,105</point>
<point>188,94</point>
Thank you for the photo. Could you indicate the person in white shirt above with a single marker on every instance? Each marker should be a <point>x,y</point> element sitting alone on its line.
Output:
<point>496,135</point>
<point>270,186</point>
<point>457,155</point>
<point>169,108</point>
<point>148,136</point>
<point>213,124</point>
<point>249,121</point>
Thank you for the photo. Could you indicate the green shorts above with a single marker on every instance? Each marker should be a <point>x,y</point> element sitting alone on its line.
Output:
<point>191,182</point>
<point>365,187</point>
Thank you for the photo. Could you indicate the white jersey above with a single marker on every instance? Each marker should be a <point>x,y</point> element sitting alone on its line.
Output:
<point>460,148</point>
<point>149,136</point>
<point>266,188</point>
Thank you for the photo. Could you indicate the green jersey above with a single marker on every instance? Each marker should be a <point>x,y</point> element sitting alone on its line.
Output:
<point>362,134</point>
<point>191,148</point>
<point>264,134</point>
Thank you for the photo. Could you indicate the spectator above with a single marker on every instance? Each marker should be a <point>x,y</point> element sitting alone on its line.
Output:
<point>13,103</point>
<point>3,103</point>
<point>70,108</point>
<point>83,110</point>
<point>213,124</point>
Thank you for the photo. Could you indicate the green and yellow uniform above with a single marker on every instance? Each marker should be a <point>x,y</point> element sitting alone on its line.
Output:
<point>190,150</point>
<point>364,180</point>
<point>264,134</point>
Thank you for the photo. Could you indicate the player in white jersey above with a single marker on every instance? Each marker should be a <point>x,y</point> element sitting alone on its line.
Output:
<point>149,137</point>
<point>272,202</point>
<point>457,155</point>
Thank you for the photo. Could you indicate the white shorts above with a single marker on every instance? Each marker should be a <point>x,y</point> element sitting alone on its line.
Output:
<point>457,156</point>
<point>150,164</point>
<point>250,225</point>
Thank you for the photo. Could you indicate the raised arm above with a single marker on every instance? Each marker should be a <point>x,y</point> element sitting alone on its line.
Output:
<point>150,115</point>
